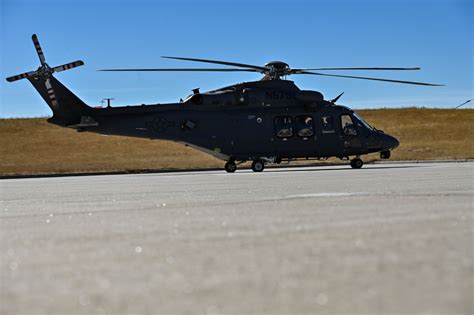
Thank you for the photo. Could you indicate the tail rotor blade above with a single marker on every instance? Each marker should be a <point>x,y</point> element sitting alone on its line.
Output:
<point>38,49</point>
<point>20,76</point>
<point>68,66</point>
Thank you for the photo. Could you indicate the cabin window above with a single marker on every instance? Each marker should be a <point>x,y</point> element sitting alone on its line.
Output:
<point>304,126</point>
<point>347,126</point>
<point>327,124</point>
<point>283,127</point>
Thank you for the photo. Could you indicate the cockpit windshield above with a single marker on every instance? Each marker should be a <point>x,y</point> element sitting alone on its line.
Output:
<point>362,121</point>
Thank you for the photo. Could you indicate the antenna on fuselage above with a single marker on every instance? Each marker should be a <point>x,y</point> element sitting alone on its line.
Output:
<point>108,101</point>
<point>463,104</point>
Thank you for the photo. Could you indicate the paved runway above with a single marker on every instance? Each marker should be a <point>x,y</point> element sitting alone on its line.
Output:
<point>389,238</point>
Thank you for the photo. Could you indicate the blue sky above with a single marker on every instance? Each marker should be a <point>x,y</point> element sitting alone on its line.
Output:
<point>435,35</point>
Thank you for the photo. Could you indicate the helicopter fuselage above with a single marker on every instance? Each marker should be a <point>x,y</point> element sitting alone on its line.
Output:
<point>261,120</point>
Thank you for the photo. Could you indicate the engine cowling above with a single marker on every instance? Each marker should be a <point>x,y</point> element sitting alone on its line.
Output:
<point>310,97</point>
<point>222,98</point>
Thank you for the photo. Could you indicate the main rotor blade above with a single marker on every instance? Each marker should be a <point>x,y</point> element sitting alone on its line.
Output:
<point>68,66</point>
<point>370,68</point>
<point>39,51</point>
<point>20,76</point>
<point>227,63</point>
<point>185,69</point>
<point>365,78</point>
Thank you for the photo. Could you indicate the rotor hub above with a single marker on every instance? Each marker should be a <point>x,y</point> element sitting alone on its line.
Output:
<point>44,71</point>
<point>277,69</point>
<point>280,65</point>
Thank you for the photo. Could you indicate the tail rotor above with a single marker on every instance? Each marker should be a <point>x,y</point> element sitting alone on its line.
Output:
<point>44,71</point>
<point>68,109</point>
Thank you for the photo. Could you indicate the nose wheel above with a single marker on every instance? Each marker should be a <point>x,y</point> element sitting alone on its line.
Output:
<point>385,155</point>
<point>356,163</point>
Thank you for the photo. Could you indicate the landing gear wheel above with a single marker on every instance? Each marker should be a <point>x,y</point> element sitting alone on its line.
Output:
<point>356,163</point>
<point>257,166</point>
<point>385,155</point>
<point>230,167</point>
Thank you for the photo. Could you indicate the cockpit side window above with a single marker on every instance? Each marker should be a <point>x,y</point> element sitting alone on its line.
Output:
<point>283,126</point>
<point>304,126</point>
<point>347,125</point>
<point>361,121</point>
<point>327,124</point>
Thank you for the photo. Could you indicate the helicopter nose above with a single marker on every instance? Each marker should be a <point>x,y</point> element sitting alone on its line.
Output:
<point>390,142</point>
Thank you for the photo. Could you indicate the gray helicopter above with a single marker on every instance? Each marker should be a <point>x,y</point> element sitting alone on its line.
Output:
<point>265,121</point>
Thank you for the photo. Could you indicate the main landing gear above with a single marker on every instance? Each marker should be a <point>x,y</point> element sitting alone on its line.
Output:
<point>231,167</point>
<point>257,166</point>
<point>356,163</point>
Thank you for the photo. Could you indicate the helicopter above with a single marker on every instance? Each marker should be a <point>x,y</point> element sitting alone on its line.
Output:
<point>265,121</point>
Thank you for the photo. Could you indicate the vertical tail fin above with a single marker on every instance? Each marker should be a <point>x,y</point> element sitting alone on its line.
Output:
<point>67,108</point>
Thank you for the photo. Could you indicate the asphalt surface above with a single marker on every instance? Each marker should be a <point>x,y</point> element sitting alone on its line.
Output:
<point>395,238</point>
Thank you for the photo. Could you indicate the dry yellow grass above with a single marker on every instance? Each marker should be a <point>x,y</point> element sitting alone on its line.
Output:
<point>426,134</point>
<point>32,146</point>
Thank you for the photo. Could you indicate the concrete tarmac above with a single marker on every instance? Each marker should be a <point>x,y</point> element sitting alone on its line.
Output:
<point>385,239</point>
